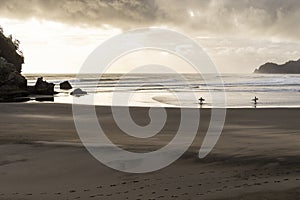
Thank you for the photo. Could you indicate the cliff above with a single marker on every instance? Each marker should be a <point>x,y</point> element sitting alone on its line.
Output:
<point>9,50</point>
<point>291,67</point>
<point>12,83</point>
<point>13,86</point>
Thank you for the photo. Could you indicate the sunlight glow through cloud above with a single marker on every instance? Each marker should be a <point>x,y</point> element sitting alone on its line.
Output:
<point>51,47</point>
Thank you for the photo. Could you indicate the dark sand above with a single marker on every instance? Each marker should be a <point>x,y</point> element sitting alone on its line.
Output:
<point>257,157</point>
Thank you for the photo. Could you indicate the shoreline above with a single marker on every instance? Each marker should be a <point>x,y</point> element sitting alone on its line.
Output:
<point>258,106</point>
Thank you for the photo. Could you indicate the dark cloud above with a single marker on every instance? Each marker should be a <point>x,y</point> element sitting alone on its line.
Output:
<point>120,13</point>
<point>265,18</point>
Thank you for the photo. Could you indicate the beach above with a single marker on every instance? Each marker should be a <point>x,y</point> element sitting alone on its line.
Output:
<point>256,157</point>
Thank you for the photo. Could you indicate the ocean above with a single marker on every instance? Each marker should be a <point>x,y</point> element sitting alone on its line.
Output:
<point>164,90</point>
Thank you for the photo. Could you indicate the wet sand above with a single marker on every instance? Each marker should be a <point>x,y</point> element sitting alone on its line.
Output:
<point>257,157</point>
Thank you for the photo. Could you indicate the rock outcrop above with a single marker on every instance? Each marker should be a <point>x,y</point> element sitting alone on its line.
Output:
<point>291,67</point>
<point>65,85</point>
<point>78,92</point>
<point>12,83</point>
<point>10,52</point>
<point>42,88</point>
<point>13,86</point>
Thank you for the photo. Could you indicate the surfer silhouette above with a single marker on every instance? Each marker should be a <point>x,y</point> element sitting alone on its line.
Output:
<point>255,100</point>
<point>201,101</point>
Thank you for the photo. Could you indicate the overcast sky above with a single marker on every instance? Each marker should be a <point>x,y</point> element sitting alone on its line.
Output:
<point>239,35</point>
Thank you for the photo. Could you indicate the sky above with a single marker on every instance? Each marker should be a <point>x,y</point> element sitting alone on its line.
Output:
<point>239,36</point>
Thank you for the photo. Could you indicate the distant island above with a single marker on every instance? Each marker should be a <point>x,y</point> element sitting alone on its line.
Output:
<point>291,67</point>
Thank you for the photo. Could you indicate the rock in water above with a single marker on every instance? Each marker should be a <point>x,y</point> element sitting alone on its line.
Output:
<point>65,85</point>
<point>43,87</point>
<point>78,92</point>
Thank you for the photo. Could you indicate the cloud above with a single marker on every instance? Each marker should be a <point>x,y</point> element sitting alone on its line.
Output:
<point>123,13</point>
<point>263,18</point>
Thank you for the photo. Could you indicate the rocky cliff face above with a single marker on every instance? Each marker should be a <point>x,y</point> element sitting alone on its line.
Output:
<point>291,67</point>
<point>13,86</point>
<point>12,83</point>
<point>9,51</point>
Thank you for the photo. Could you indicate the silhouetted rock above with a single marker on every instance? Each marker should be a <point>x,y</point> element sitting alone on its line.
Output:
<point>12,83</point>
<point>43,87</point>
<point>78,92</point>
<point>65,85</point>
<point>10,52</point>
<point>291,67</point>
<point>13,86</point>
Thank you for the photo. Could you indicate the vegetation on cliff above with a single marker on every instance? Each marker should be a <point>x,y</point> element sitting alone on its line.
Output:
<point>9,50</point>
